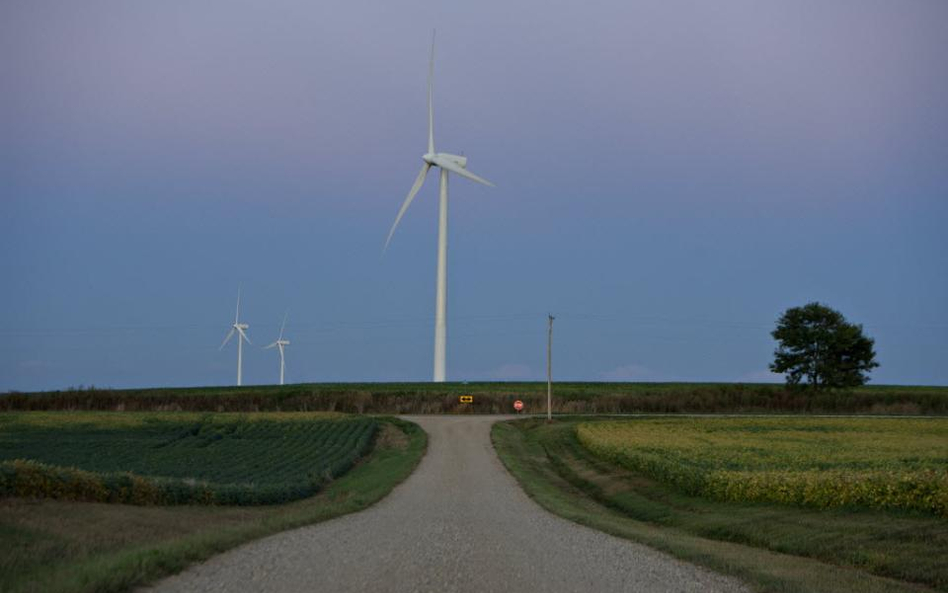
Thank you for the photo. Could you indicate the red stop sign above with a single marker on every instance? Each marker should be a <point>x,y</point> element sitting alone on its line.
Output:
<point>518,405</point>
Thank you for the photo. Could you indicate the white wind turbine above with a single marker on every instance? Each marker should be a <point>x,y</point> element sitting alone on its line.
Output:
<point>280,343</point>
<point>238,328</point>
<point>447,163</point>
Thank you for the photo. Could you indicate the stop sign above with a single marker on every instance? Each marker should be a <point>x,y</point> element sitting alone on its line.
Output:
<point>518,405</point>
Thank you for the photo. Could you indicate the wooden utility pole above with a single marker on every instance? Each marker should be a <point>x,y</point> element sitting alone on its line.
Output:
<point>549,370</point>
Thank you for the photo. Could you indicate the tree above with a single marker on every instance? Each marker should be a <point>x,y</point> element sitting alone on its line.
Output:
<point>818,343</point>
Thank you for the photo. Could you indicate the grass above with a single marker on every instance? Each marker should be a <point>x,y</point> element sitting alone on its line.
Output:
<point>771,547</point>
<point>77,547</point>
<point>493,398</point>
<point>150,458</point>
<point>883,463</point>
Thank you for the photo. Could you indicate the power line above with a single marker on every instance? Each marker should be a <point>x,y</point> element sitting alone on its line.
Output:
<point>371,325</point>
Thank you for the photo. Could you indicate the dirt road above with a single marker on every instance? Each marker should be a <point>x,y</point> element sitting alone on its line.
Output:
<point>459,523</point>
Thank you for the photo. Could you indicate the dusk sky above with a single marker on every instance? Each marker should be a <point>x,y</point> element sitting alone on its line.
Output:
<point>671,176</point>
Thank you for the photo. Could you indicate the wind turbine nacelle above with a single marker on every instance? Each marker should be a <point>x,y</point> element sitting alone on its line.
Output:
<point>460,160</point>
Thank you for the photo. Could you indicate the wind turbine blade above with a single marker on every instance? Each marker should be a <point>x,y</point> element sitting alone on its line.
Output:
<point>411,196</point>
<point>270,346</point>
<point>431,148</point>
<point>227,339</point>
<point>284,324</point>
<point>456,168</point>
<point>244,336</point>
<point>237,314</point>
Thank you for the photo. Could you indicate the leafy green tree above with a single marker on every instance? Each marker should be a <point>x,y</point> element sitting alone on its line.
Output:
<point>817,343</point>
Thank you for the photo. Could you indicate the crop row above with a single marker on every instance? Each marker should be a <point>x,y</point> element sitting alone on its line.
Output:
<point>895,464</point>
<point>239,461</point>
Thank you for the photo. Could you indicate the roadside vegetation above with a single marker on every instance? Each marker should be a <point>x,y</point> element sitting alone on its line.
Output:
<point>496,398</point>
<point>64,545</point>
<point>773,547</point>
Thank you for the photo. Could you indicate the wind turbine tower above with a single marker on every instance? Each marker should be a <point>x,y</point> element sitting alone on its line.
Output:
<point>447,163</point>
<point>238,328</point>
<point>280,343</point>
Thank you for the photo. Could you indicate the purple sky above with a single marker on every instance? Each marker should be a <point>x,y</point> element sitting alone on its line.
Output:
<point>670,177</point>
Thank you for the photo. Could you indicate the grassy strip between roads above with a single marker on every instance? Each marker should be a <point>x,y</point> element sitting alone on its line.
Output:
<point>51,545</point>
<point>770,547</point>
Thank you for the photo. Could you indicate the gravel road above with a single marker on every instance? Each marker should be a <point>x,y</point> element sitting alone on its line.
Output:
<point>459,523</point>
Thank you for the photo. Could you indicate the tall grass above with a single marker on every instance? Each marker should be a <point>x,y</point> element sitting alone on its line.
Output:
<point>495,398</point>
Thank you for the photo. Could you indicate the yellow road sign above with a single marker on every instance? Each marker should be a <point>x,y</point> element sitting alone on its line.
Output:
<point>467,399</point>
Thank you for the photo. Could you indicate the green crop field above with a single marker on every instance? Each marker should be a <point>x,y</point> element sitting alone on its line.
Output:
<point>169,458</point>
<point>58,544</point>
<point>883,463</point>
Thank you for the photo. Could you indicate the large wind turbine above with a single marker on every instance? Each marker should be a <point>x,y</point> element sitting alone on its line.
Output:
<point>280,343</point>
<point>238,328</point>
<point>446,163</point>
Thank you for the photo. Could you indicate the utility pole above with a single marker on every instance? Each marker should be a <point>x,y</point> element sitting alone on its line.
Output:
<point>549,369</point>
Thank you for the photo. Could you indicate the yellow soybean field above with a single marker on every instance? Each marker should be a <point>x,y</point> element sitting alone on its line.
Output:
<point>881,463</point>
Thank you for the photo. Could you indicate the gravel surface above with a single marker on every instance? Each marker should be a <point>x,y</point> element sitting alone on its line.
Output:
<point>459,523</point>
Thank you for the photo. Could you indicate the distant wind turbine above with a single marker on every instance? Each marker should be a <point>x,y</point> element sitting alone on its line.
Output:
<point>237,328</point>
<point>447,163</point>
<point>280,343</point>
